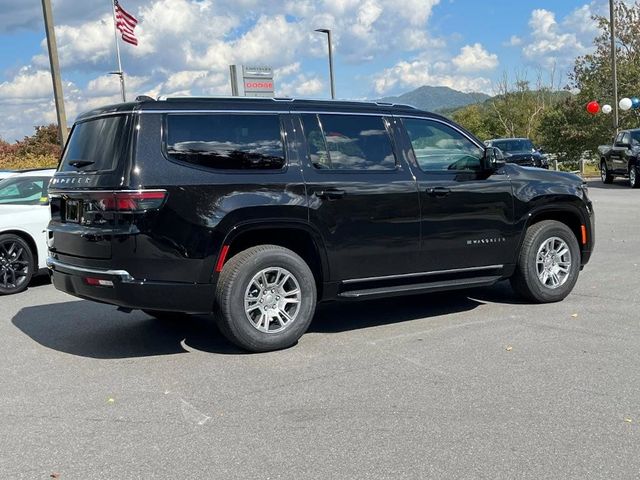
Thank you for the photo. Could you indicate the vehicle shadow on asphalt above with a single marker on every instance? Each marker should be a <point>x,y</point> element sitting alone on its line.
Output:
<point>93,330</point>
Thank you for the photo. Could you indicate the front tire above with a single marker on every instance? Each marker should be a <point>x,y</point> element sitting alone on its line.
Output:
<point>265,298</point>
<point>548,264</point>
<point>605,176</point>
<point>634,181</point>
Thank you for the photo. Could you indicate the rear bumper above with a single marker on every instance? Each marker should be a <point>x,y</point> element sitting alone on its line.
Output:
<point>128,292</point>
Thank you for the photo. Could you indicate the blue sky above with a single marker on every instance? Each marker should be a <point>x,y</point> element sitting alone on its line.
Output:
<point>381,48</point>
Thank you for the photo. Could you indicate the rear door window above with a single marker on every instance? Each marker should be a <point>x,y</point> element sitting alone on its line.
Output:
<point>96,145</point>
<point>348,142</point>
<point>226,141</point>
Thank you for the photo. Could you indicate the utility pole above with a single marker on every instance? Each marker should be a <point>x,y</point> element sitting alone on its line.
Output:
<point>614,68</point>
<point>333,87</point>
<point>55,72</point>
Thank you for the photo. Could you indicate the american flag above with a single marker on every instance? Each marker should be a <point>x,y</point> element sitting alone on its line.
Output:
<point>125,23</point>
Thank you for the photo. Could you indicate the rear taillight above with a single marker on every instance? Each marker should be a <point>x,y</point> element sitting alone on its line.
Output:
<point>134,201</point>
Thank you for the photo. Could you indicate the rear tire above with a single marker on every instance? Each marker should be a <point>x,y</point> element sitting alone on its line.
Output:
<point>17,264</point>
<point>605,176</point>
<point>548,264</point>
<point>265,298</point>
<point>634,180</point>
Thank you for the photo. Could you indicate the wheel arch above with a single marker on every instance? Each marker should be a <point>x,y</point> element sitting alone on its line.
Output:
<point>567,215</point>
<point>298,236</point>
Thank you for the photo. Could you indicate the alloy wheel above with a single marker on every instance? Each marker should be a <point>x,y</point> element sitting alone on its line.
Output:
<point>14,265</point>
<point>553,262</point>
<point>272,299</point>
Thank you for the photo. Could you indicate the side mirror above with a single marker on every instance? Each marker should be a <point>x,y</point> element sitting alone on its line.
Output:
<point>493,158</point>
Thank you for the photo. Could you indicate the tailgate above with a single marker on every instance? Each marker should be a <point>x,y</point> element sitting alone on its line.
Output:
<point>95,164</point>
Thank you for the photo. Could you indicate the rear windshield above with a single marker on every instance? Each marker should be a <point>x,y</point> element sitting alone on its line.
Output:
<point>96,145</point>
<point>514,145</point>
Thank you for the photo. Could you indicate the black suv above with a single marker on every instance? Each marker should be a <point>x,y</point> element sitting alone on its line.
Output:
<point>520,151</point>
<point>255,209</point>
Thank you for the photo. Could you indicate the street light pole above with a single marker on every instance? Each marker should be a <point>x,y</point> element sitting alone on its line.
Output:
<point>333,87</point>
<point>55,71</point>
<point>614,70</point>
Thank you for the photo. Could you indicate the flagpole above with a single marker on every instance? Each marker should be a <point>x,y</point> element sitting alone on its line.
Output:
<point>120,73</point>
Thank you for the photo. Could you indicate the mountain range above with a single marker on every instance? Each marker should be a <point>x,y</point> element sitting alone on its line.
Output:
<point>435,99</point>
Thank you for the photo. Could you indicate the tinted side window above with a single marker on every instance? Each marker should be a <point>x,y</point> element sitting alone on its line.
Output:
<point>226,141</point>
<point>24,191</point>
<point>96,145</point>
<point>626,139</point>
<point>350,142</point>
<point>440,147</point>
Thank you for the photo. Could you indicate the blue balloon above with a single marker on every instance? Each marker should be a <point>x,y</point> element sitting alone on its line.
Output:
<point>635,103</point>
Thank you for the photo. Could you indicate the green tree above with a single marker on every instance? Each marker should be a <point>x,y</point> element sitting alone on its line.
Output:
<point>475,119</point>
<point>568,129</point>
<point>43,142</point>
<point>516,110</point>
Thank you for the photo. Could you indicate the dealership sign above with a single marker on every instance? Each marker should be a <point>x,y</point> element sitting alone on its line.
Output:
<point>249,81</point>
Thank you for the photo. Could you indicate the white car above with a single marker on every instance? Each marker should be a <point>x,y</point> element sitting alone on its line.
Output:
<point>24,216</point>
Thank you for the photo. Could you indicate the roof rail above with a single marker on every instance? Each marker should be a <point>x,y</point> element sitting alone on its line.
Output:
<point>391,104</point>
<point>278,99</point>
<point>225,97</point>
<point>145,98</point>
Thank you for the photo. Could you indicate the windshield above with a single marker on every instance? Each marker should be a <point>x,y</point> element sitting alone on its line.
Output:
<point>515,145</point>
<point>95,145</point>
<point>24,191</point>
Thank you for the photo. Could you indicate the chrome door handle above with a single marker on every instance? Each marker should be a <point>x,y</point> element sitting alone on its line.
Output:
<point>330,194</point>
<point>438,191</point>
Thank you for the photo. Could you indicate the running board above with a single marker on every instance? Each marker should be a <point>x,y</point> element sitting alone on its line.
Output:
<point>416,288</point>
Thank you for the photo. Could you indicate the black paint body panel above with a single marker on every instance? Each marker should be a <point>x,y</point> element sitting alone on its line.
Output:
<point>386,224</point>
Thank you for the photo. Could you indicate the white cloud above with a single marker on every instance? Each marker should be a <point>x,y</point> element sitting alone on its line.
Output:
<point>514,41</point>
<point>107,85</point>
<point>474,58</point>
<point>84,47</point>
<point>420,72</point>
<point>435,68</point>
<point>27,85</point>
<point>301,86</point>
<point>557,44</point>
<point>287,70</point>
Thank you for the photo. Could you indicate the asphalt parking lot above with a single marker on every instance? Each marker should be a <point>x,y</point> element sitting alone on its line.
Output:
<point>472,384</point>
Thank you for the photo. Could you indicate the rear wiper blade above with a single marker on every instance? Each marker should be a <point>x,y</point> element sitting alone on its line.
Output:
<point>80,163</point>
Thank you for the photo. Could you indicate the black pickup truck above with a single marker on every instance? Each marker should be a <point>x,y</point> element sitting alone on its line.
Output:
<point>255,209</point>
<point>621,158</point>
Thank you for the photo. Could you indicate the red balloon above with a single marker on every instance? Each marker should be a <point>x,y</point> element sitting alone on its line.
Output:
<point>593,107</point>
